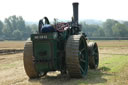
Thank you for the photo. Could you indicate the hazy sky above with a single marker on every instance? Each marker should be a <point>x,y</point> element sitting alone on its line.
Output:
<point>33,10</point>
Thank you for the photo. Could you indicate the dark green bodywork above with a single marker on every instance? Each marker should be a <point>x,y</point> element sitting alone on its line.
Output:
<point>48,52</point>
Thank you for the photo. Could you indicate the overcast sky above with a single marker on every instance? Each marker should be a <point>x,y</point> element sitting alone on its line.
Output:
<point>33,10</point>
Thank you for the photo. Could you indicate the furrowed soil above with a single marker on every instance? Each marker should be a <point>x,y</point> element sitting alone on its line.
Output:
<point>112,54</point>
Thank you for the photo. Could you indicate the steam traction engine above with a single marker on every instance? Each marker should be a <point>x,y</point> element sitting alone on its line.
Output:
<point>60,46</point>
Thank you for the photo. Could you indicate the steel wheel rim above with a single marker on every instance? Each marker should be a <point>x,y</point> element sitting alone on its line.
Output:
<point>83,58</point>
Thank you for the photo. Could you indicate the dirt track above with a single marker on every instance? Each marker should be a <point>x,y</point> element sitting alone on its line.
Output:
<point>11,69</point>
<point>12,73</point>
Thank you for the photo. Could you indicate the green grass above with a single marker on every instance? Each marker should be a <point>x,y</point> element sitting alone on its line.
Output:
<point>113,64</point>
<point>108,72</point>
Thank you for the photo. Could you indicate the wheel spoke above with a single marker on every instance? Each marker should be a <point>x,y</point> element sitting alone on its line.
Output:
<point>82,60</point>
<point>81,69</point>
<point>95,49</point>
<point>82,50</point>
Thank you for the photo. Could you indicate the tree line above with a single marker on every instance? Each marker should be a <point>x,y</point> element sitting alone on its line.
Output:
<point>109,28</point>
<point>15,28</point>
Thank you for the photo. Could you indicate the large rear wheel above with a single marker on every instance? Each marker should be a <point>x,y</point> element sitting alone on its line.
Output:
<point>28,60</point>
<point>76,56</point>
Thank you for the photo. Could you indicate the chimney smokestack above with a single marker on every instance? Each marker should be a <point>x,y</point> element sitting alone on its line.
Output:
<point>75,12</point>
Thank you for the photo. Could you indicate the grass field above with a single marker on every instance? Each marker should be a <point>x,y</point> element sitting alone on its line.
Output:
<point>113,67</point>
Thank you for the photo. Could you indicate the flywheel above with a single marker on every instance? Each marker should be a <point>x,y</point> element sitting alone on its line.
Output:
<point>76,56</point>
